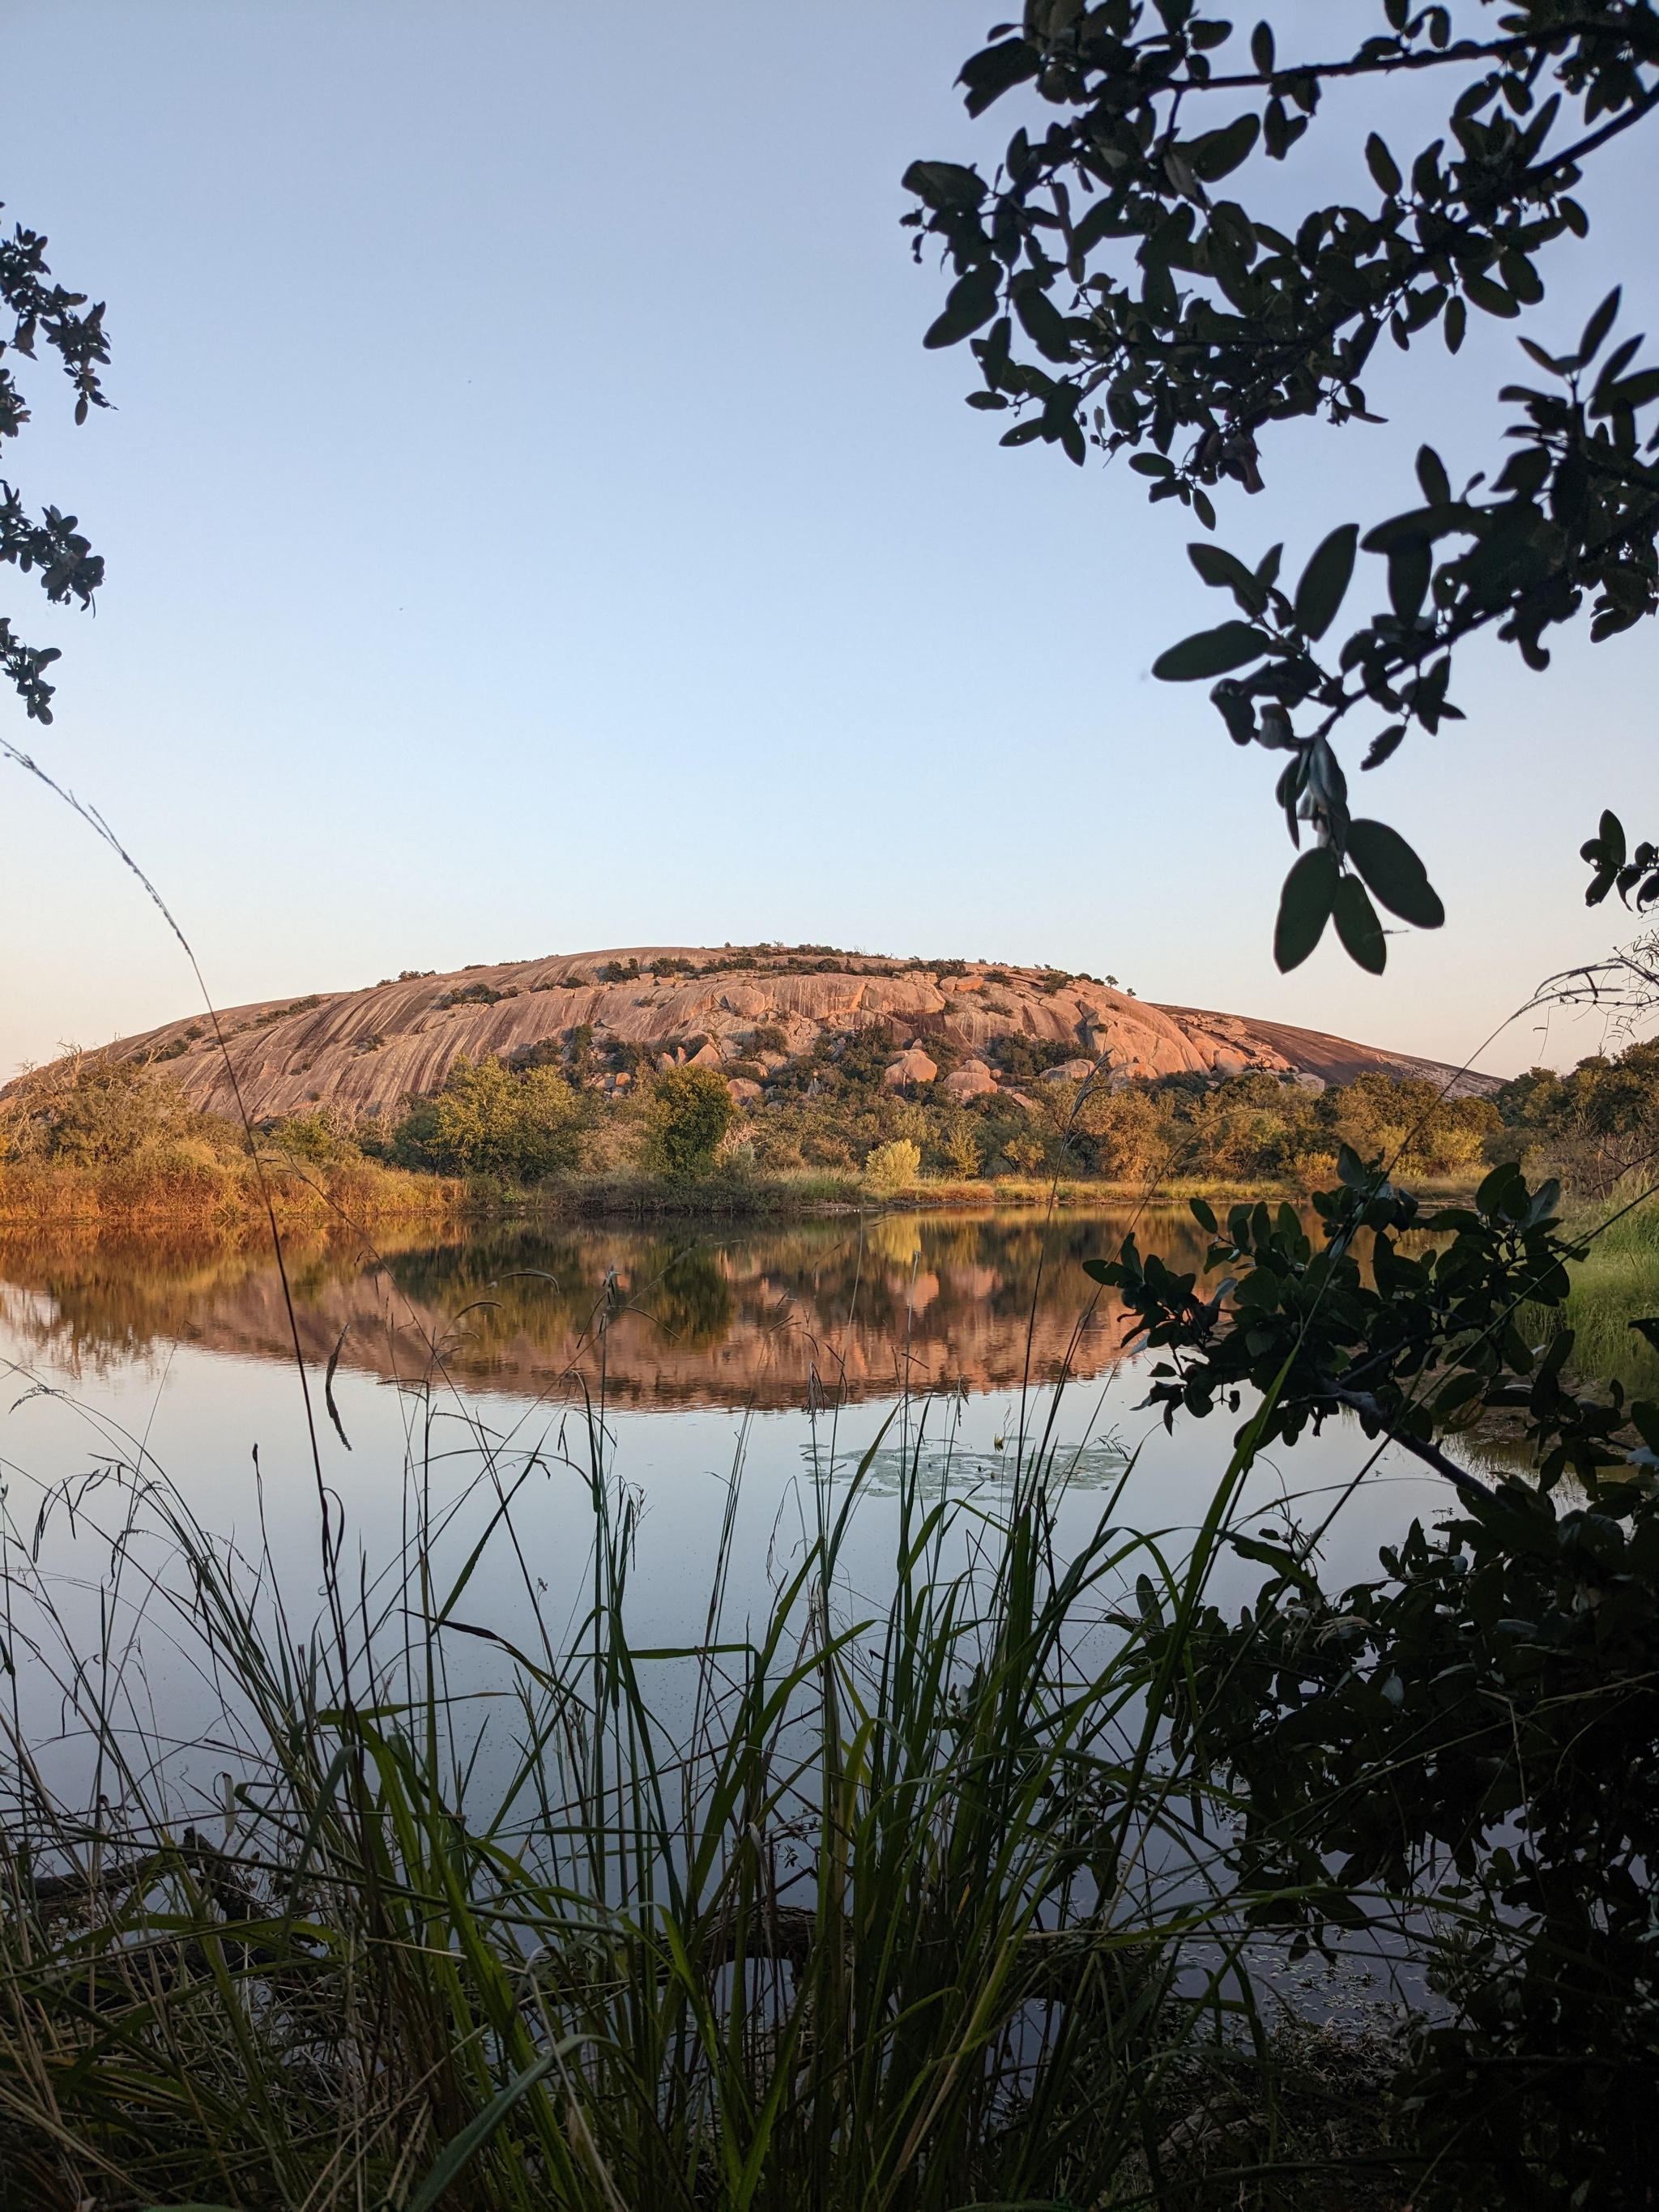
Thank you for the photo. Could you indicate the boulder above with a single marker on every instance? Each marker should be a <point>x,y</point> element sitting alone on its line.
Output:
<point>1070,1071</point>
<point>973,1080</point>
<point>911,1066</point>
<point>744,1092</point>
<point>707,1055</point>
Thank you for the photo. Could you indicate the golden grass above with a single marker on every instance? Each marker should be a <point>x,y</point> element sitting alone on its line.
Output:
<point>191,1184</point>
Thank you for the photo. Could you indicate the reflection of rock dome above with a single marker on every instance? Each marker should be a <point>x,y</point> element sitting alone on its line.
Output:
<point>726,1318</point>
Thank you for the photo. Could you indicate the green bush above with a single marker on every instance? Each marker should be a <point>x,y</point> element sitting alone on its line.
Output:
<point>892,1167</point>
<point>961,1148</point>
<point>487,1121</point>
<point>691,1110</point>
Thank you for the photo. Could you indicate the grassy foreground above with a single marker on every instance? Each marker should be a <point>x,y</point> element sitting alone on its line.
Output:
<point>906,1902</point>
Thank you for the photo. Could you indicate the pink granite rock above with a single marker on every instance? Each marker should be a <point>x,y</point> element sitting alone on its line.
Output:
<point>912,1066</point>
<point>973,1080</point>
<point>365,1052</point>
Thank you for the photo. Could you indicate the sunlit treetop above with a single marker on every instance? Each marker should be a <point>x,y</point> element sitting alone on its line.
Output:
<point>1114,298</point>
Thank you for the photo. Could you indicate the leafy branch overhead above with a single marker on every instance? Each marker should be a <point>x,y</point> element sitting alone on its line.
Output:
<point>1111,298</point>
<point>50,546</point>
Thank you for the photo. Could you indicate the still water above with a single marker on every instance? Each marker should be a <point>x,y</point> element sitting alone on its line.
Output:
<point>682,1357</point>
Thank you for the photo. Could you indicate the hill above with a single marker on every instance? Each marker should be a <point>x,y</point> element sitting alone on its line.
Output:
<point>750,1010</point>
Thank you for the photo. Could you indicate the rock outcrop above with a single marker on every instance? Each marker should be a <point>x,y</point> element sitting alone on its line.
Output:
<point>365,1052</point>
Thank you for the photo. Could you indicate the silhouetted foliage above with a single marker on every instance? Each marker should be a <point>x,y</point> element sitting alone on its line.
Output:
<point>52,545</point>
<point>1112,300</point>
<point>1481,1728</point>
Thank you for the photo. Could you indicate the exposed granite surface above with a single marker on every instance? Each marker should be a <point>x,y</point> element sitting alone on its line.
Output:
<point>366,1051</point>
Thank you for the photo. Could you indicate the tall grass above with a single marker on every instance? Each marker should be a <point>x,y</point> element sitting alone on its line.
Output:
<point>892,1903</point>
<point>1615,1284</point>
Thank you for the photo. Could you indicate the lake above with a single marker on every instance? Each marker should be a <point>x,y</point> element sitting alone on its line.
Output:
<point>679,1355</point>
<point>720,1385</point>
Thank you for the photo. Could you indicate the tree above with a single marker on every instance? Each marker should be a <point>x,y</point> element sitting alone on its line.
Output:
<point>961,1148</point>
<point>892,1167</point>
<point>691,1110</point>
<point>488,1121</point>
<point>68,567</point>
<point>1112,300</point>
<point>91,1110</point>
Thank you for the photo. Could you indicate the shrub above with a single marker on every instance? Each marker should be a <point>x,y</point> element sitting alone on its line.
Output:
<point>472,994</point>
<point>768,1037</point>
<point>487,1121</point>
<point>317,1137</point>
<point>283,1013</point>
<point>1590,1127</point>
<point>892,1167</point>
<point>822,1148</point>
<point>89,1111</point>
<point>582,1060</point>
<point>691,1110</point>
<point>961,1148</point>
<point>1023,1154</point>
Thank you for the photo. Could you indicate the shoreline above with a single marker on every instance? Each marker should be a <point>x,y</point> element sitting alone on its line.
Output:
<point>71,1199</point>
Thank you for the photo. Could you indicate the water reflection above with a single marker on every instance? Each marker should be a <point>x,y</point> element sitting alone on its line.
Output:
<point>851,1307</point>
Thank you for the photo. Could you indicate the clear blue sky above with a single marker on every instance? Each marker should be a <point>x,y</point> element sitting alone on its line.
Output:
<point>533,523</point>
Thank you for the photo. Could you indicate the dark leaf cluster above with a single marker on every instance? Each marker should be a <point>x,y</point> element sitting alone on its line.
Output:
<point>1129,305</point>
<point>1419,1345</point>
<point>1481,1725</point>
<point>1572,517</point>
<point>1478,1729</point>
<point>1616,868</point>
<point>1113,298</point>
<point>52,547</point>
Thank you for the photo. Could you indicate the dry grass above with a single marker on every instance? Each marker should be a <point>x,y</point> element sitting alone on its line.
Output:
<point>210,1189</point>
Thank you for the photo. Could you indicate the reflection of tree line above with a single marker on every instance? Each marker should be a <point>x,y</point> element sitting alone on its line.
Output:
<point>112,1295</point>
<point>959,1291</point>
<point>890,1272</point>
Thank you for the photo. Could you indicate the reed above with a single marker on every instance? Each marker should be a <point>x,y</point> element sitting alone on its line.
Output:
<point>904,1903</point>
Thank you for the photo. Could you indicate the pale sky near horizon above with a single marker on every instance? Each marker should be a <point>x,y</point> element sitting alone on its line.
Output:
<point>533,523</point>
